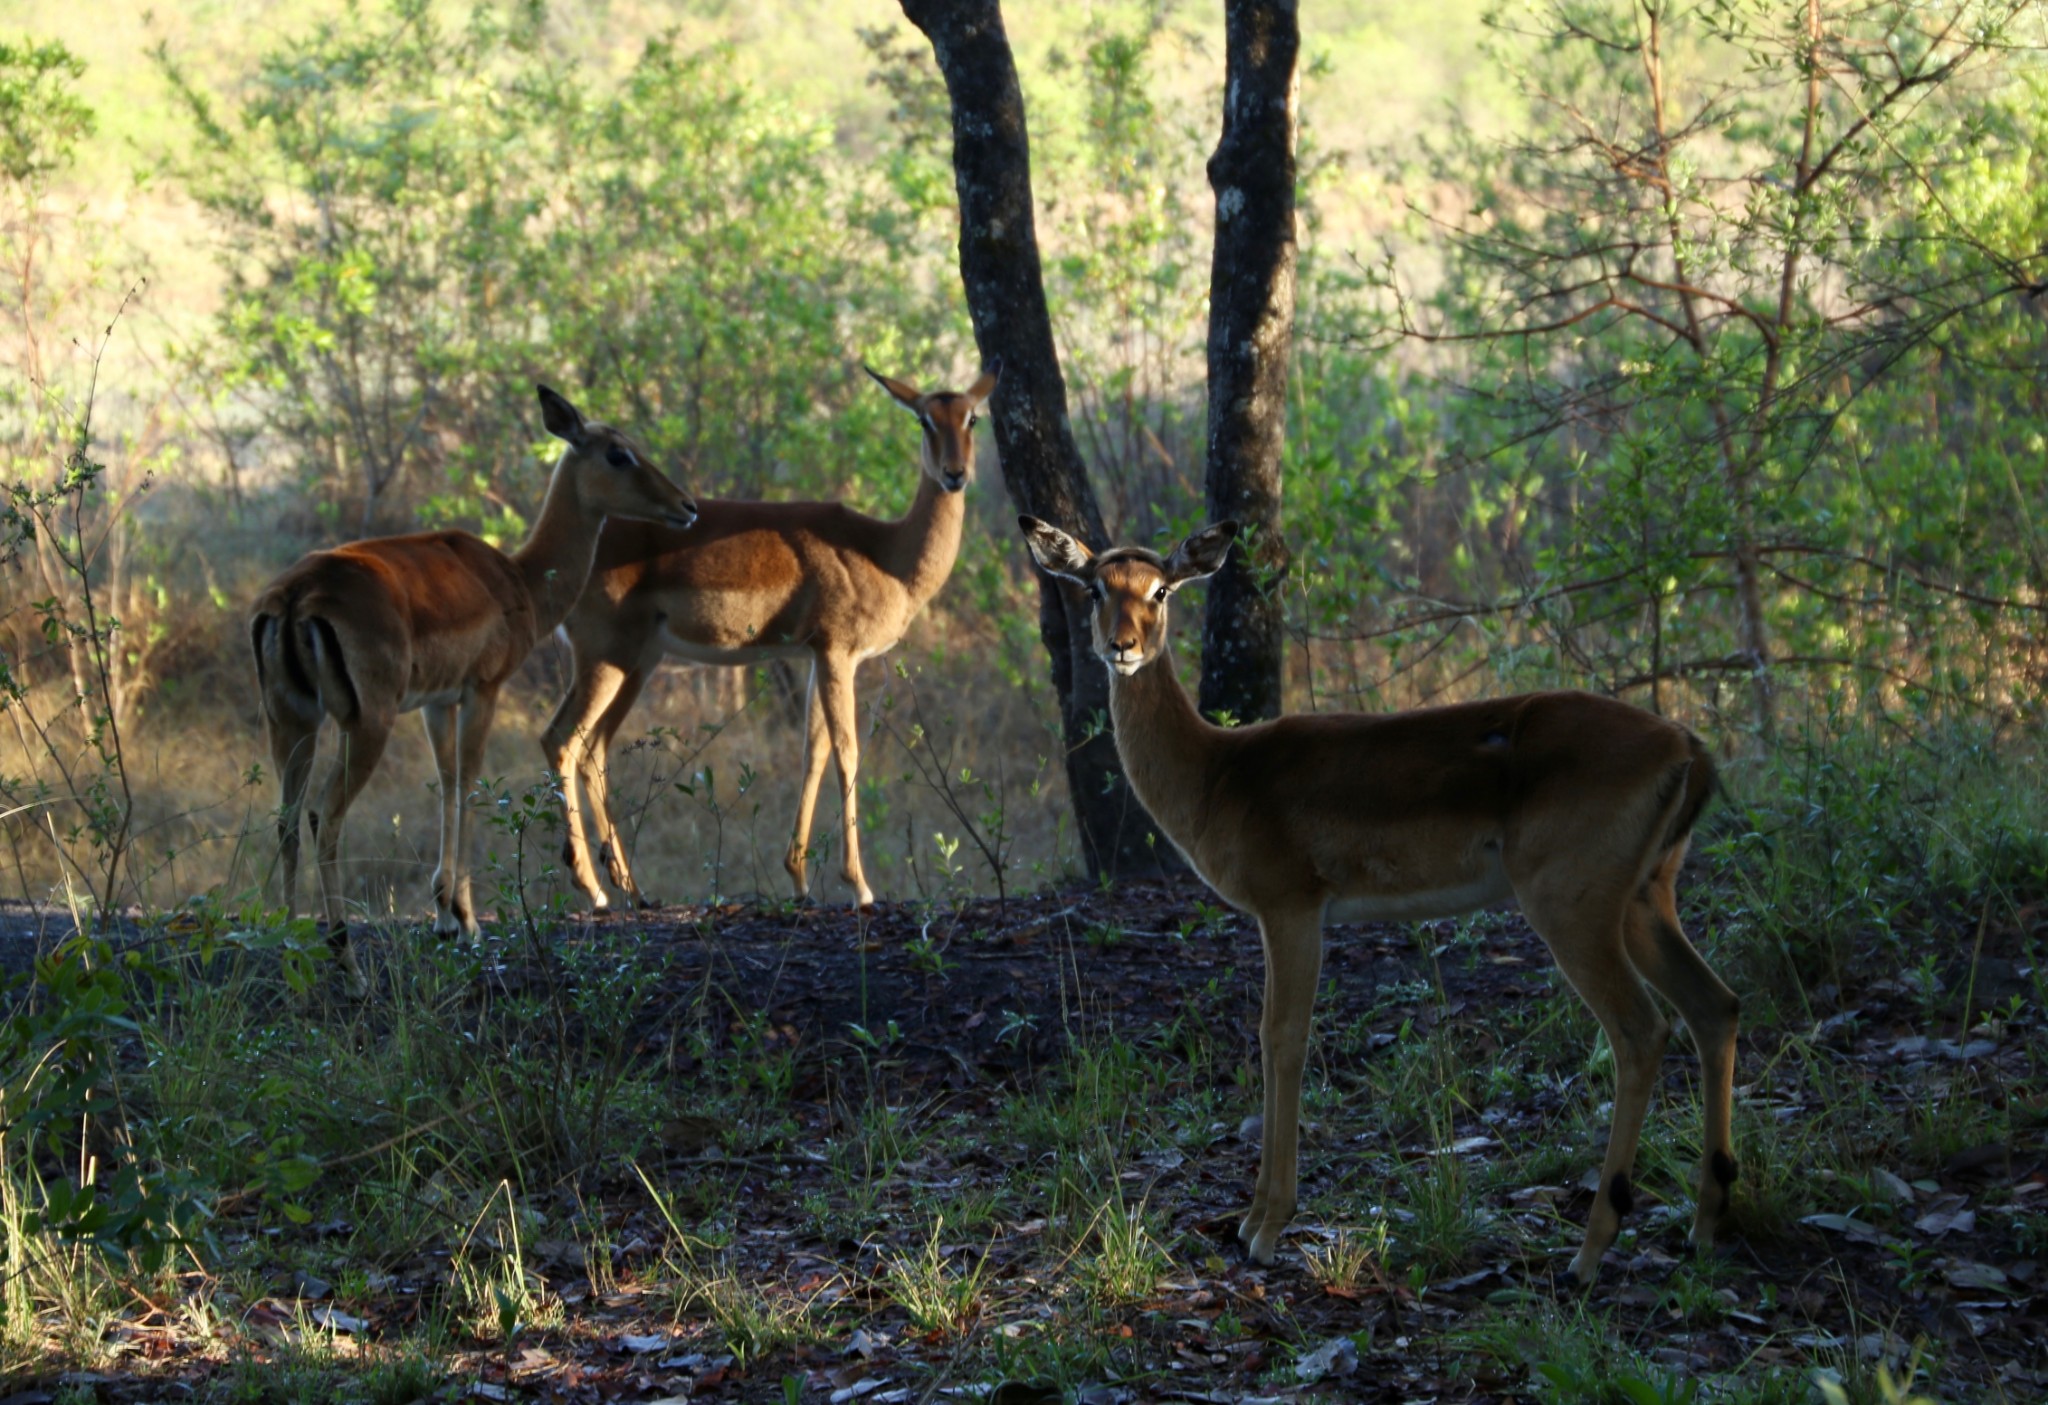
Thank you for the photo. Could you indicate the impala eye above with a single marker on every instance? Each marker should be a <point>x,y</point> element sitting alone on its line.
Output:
<point>973,420</point>
<point>620,458</point>
<point>1159,595</point>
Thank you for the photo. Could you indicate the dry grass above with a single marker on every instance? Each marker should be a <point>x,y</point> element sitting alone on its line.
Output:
<point>203,825</point>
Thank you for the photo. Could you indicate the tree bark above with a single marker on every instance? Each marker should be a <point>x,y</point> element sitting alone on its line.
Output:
<point>1251,319</point>
<point>1041,464</point>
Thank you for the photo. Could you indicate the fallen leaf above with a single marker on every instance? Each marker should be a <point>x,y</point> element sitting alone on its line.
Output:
<point>336,1321</point>
<point>1835,1026</point>
<point>1920,1046</point>
<point>1463,1145</point>
<point>1947,1214</point>
<point>1962,1273</point>
<point>1336,1357</point>
<point>1857,1231</point>
<point>1452,1285</point>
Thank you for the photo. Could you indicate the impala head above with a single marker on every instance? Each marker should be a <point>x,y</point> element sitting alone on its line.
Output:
<point>948,418</point>
<point>1129,585</point>
<point>610,471</point>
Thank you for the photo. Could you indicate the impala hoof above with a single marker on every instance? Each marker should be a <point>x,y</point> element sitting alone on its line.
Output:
<point>353,976</point>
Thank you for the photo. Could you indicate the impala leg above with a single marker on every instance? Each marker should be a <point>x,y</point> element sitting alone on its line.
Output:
<point>440,722</point>
<point>1294,962</point>
<point>597,760</point>
<point>571,746</point>
<point>292,741</point>
<point>816,754</point>
<point>1587,940</point>
<point>1712,1013</point>
<point>472,730</point>
<point>362,746</point>
<point>842,719</point>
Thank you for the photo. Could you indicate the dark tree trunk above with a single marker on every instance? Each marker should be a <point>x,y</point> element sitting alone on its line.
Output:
<point>1251,318</point>
<point>1041,466</point>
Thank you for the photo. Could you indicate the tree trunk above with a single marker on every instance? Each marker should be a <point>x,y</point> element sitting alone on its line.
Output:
<point>1251,319</point>
<point>1042,467</point>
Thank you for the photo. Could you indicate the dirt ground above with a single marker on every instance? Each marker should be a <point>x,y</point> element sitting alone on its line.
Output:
<point>1016,986</point>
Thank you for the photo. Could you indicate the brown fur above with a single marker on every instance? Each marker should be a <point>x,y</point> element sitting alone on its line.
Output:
<point>435,620</point>
<point>755,580</point>
<point>1577,806</point>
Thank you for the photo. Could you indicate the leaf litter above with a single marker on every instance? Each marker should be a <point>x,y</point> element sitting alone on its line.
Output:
<point>1941,1249</point>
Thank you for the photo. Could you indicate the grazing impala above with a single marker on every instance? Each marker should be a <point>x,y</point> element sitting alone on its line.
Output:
<point>1578,806</point>
<point>436,621</point>
<point>752,581</point>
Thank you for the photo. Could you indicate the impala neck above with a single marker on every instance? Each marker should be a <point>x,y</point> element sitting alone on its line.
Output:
<point>555,561</point>
<point>926,539</point>
<point>1166,745</point>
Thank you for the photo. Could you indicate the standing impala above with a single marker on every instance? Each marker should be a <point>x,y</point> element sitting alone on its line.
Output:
<point>436,621</point>
<point>1578,806</point>
<point>753,581</point>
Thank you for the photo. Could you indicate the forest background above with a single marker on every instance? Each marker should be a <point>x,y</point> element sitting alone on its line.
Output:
<point>1665,419</point>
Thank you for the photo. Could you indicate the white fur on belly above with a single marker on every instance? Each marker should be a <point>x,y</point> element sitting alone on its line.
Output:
<point>749,653</point>
<point>1484,890</point>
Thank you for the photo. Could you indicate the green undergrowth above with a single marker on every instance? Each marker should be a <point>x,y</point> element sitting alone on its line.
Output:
<point>206,1119</point>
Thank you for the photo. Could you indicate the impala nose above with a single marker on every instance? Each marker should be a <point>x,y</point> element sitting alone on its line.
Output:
<point>953,482</point>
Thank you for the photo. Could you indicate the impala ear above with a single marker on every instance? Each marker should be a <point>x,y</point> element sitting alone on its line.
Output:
<point>906,395</point>
<point>1056,553</point>
<point>986,385</point>
<point>563,420</point>
<point>1201,554</point>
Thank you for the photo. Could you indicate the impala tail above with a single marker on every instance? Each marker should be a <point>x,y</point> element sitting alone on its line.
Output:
<point>299,665</point>
<point>1700,780</point>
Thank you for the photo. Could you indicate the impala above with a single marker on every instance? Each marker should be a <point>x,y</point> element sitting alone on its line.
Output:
<point>436,621</point>
<point>1577,806</point>
<point>755,581</point>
